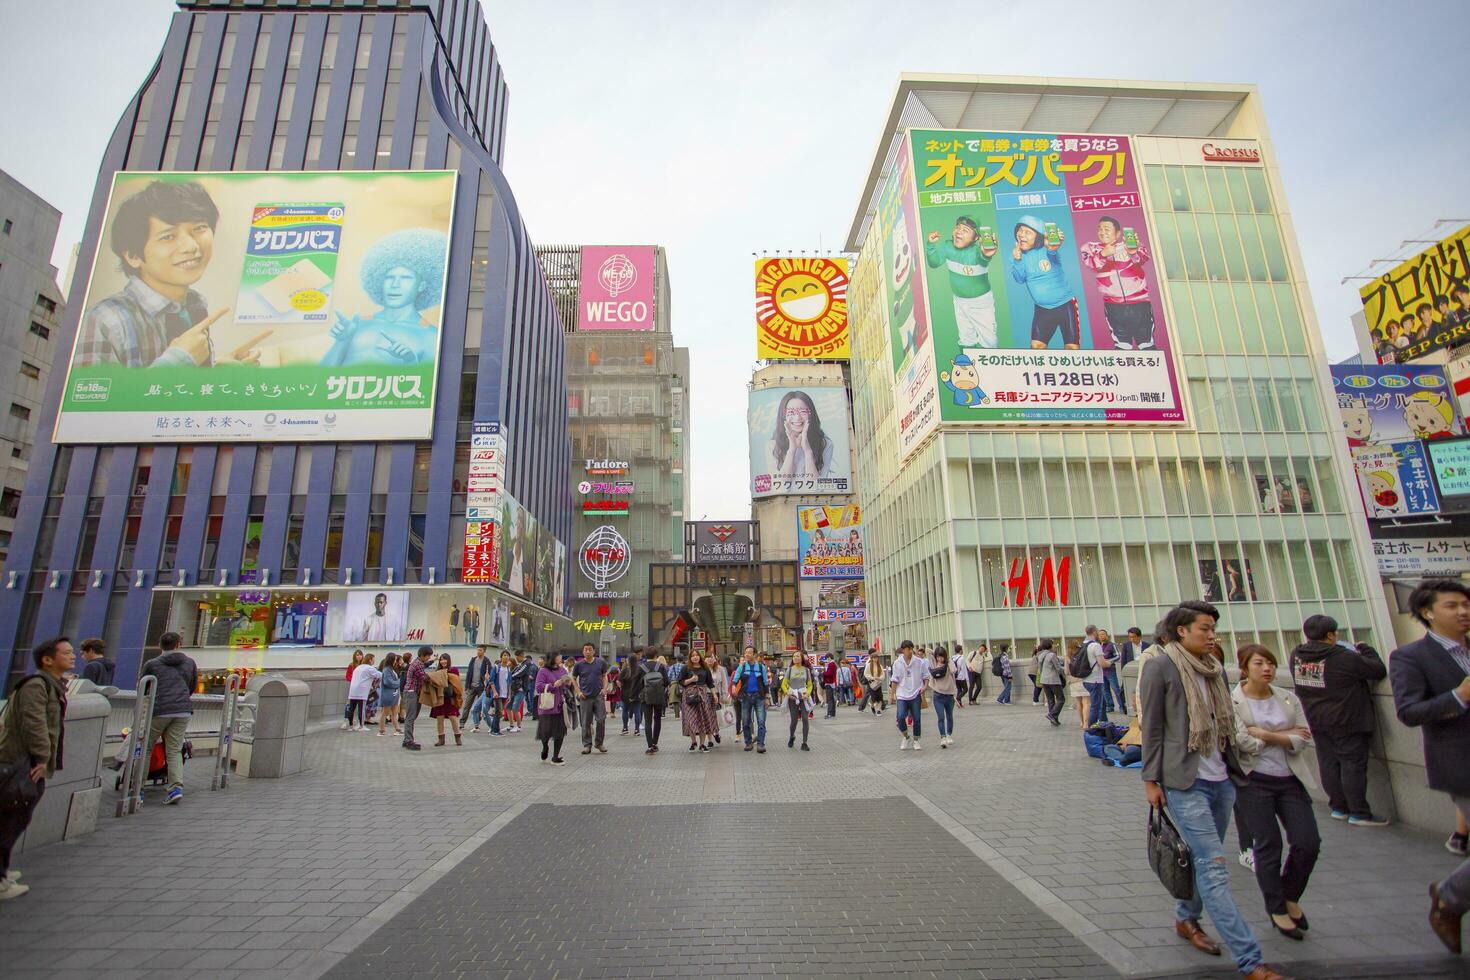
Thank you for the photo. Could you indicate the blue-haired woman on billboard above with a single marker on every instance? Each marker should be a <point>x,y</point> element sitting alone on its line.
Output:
<point>404,274</point>
<point>798,448</point>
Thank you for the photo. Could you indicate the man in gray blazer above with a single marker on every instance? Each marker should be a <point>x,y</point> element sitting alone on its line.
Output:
<point>1189,762</point>
<point>1431,692</point>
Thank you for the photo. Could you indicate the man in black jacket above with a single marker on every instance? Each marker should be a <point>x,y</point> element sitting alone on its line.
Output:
<point>1431,691</point>
<point>95,665</point>
<point>1333,681</point>
<point>178,676</point>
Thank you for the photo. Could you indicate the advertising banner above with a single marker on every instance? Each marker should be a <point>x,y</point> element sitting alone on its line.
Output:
<point>915,400</point>
<point>1040,280</point>
<point>615,291</point>
<point>1395,480</point>
<point>1393,403</point>
<point>1227,580</point>
<point>376,617</point>
<point>262,307</point>
<point>799,441</point>
<point>1422,304</point>
<point>1422,557</point>
<point>720,543</point>
<point>858,615</point>
<point>801,308</point>
<point>1451,464</point>
<point>485,485</point>
<point>247,623</point>
<point>829,542</point>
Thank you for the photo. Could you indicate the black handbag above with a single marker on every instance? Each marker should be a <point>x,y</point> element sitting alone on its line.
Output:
<point>1169,855</point>
<point>17,790</point>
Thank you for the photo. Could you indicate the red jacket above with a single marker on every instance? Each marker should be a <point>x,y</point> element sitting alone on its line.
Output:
<point>1120,282</point>
<point>829,673</point>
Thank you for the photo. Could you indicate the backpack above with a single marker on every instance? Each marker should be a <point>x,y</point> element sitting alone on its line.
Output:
<point>1077,664</point>
<point>996,667</point>
<point>655,694</point>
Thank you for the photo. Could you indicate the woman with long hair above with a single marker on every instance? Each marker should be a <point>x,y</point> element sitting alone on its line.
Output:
<point>357,658</point>
<point>390,685</point>
<point>444,693</point>
<point>630,679</point>
<point>1270,733</point>
<point>798,688</point>
<point>719,688</point>
<point>873,684</point>
<point>551,724</point>
<point>698,716</point>
<point>364,676</point>
<point>943,686</point>
<point>798,447</point>
<point>1075,688</point>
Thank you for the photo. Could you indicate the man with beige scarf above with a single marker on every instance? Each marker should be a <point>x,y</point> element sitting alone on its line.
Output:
<point>1189,762</point>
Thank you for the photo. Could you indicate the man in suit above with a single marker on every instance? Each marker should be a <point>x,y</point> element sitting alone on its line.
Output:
<point>1431,691</point>
<point>1189,762</point>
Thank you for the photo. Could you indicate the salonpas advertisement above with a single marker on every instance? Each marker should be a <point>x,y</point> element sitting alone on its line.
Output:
<point>262,306</point>
<point>1041,279</point>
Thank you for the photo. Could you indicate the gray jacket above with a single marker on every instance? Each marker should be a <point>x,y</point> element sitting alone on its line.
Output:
<point>177,677</point>
<point>1049,668</point>
<point>1165,715</point>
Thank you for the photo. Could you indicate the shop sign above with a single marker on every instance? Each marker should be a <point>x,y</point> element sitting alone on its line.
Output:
<point>605,507</point>
<point>1215,153</point>
<point>1053,583</point>
<point>610,467</point>
<point>719,543</point>
<point>859,615</point>
<point>614,487</point>
<point>484,485</point>
<point>598,625</point>
<point>1414,557</point>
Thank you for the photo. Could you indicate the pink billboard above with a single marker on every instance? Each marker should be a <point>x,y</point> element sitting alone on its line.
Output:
<point>616,288</point>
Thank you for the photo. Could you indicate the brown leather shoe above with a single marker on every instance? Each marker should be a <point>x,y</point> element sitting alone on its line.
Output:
<point>1264,972</point>
<point>1446,924</point>
<point>1191,933</point>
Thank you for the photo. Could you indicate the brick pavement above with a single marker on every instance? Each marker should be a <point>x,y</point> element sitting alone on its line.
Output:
<point>298,876</point>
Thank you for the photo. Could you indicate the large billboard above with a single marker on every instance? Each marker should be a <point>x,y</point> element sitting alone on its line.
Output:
<point>801,308</point>
<point>798,441</point>
<point>829,542</point>
<point>1395,479</point>
<point>265,307</point>
<point>1422,304</point>
<point>1040,280</point>
<point>910,344</point>
<point>1394,402</point>
<point>615,291</point>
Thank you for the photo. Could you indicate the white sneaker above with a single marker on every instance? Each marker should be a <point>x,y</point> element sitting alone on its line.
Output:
<point>12,875</point>
<point>12,889</point>
<point>903,743</point>
<point>344,726</point>
<point>1247,859</point>
<point>917,746</point>
<point>476,729</point>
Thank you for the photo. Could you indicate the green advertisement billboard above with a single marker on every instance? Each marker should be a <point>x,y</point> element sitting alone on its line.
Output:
<point>262,307</point>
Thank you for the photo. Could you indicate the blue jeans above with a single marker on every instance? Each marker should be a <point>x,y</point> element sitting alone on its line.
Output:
<point>1202,814</point>
<point>1005,691</point>
<point>944,708</point>
<point>753,717</point>
<point>634,710</point>
<point>1096,710</point>
<point>484,707</point>
<point>1113,692</point>
<point>909,710</point>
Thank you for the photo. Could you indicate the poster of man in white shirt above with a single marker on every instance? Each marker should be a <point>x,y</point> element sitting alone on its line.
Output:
<point>376,617</point>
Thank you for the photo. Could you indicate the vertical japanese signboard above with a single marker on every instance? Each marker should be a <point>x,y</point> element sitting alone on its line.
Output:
<point>484,491</point>
<point>615,291</point>
<point>1422,304</point>
<point>1395,480</point>
<point>801,308</point>
<point>262,307</point>
<point>1040,280</point>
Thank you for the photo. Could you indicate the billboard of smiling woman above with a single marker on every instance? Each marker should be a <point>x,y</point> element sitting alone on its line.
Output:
<point>262,307</point>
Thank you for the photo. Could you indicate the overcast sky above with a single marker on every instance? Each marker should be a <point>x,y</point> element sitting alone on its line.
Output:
<point>718,131</point>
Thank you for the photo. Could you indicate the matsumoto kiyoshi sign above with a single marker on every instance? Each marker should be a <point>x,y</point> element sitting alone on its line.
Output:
<point>262,307</point>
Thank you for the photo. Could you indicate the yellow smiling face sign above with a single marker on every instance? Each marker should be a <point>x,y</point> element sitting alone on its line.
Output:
<point>801,308</point>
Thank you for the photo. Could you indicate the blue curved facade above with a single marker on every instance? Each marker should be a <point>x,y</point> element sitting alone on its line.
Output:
<point>280,85</point>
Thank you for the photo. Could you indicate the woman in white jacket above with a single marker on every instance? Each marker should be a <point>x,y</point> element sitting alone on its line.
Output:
<point>1270,733</point>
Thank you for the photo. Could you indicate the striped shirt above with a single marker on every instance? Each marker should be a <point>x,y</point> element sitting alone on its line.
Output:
<point>134,327</point>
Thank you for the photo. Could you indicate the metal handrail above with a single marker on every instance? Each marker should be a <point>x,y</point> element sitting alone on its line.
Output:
<point>221,777</point>
<point>137,746</point>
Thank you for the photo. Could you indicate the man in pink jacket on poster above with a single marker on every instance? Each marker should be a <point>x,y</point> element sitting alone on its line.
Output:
<point>1117,258</point>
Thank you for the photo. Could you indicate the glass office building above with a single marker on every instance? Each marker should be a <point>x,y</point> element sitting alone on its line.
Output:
<point>1007,533</point>
<point>264,547</point>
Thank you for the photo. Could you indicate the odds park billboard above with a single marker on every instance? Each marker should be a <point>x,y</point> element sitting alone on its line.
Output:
<point>615,289</point>
<point>265,307</point>
<point>801,308</point>
<point>1039,280</point>
<point>1422,304</point>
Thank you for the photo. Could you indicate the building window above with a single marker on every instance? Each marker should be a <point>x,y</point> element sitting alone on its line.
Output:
<point>8,225</point>
<point>29,370</point>
<point>18,411</point>
<point>41,330</point>
<point>9,502</point>
<point>46,303</point>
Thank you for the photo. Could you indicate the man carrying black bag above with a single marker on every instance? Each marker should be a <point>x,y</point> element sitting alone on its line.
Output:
<point>30,749</point>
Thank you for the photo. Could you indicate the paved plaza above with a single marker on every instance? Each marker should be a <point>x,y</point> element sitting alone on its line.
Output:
<point>1009,855</point>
